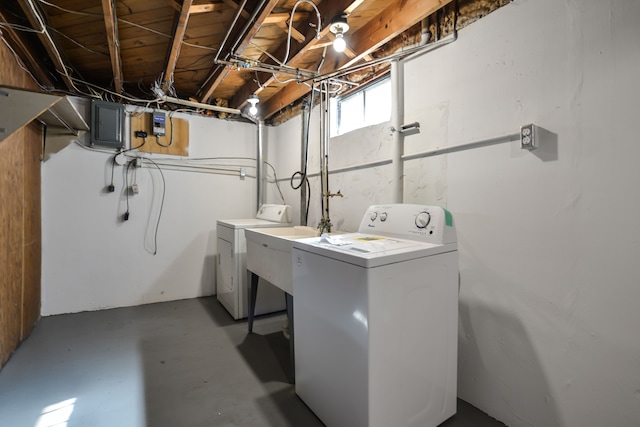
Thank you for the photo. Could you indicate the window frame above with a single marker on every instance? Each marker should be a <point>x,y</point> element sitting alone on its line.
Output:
<point>339,100</point>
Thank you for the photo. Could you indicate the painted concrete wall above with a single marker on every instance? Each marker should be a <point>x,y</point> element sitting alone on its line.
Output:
<point>93,260</point>
<point>549,242</point>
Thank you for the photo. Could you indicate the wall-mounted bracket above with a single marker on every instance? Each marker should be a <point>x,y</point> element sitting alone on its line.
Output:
<point>19,107</point>
<point>408,129</point>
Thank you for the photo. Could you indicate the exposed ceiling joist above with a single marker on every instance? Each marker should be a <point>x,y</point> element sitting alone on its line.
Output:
<point>234,5</point>
<point>266,11</point>
<point>176,43</point>
<point>49,44</point>
<point>297,35</point>
<point>327,8</point>
<point>398,16</point>
<point>222,49</point>
<point>111,26</point>
<point>25,52</point>
<point>276,18</point>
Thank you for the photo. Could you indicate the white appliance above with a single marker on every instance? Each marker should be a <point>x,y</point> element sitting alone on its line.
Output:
<point>376,316</point>
<point>232,277</point>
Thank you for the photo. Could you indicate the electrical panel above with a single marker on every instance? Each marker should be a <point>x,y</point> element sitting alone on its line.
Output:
<point>107,124</point>
<point>159,123</point>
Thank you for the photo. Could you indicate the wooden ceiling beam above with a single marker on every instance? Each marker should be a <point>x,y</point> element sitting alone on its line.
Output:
<point>176,43</point>
<point>205,8</point>
<point>297,35</point>
<point>397,17</point>
<point>327,9</point>
<point>234,5</point>
<point>25,53</point>
<point>49,44</point>
<point>276,18</point>
<point>111,26</point>
<point>214,83</point>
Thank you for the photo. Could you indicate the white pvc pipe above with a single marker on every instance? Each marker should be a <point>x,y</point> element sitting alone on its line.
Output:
<point>260,165</point>
<point>460,147</point>
<point>200,105</point>
<point>397,117</point>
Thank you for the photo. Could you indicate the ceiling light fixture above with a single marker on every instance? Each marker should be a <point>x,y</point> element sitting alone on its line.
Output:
<point>253,100</point>
<point>338,27</point>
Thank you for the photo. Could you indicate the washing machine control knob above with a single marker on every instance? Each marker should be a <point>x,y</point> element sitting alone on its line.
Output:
<point>383,216</point>
<point>374,215</point>
<point>423,219</point>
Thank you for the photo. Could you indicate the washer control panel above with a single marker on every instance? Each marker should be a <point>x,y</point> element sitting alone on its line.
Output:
<point>432,224</point>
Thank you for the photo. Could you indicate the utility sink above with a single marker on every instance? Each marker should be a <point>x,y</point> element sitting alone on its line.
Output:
<point>269,253</point>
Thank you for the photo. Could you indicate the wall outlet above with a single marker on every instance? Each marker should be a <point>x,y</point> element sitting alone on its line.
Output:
<point>529,137</point>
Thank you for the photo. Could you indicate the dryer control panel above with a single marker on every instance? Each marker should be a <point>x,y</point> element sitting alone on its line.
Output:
<point>431,224</point>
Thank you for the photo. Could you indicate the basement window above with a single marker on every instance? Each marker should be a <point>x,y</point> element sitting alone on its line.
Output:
<point>367,106</point>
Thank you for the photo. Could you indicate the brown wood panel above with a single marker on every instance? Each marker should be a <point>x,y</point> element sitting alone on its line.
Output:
<point>31,265</point>
<point>179,141</point>
<point>14,185</point>
<point>11,189</point>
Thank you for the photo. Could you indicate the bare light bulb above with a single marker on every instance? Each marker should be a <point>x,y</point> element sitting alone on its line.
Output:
<point>339,44</point>
<point>253,100</point>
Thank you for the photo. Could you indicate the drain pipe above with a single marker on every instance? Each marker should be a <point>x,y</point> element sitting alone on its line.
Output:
<point>397,117</point>
<point>260,165</point>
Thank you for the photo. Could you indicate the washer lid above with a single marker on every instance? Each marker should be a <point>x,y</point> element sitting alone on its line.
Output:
<point>250,223</point>
<point>367,250</point>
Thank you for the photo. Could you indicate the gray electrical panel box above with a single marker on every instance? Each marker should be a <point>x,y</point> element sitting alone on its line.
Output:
<point>107,124</point>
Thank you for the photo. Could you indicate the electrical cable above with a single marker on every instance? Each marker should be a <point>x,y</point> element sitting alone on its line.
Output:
<point>275,177</point>
<point>164,187</point>
<point>80,45</point>
<point>111,188</point>
<point>144,141</point>
<point>303,173</point>
<point>293,11</point>
<point>125,217</point>
<point>21,64</point>
<point>124,21</point>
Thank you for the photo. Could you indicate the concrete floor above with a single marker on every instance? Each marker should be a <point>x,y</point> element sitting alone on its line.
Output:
<point>183,363</point>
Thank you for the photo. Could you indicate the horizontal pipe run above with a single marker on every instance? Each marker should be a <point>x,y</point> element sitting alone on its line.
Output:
<point>454,148</point>
<point>200,105</point>
<point>353,168</point>
<point>190,168</point>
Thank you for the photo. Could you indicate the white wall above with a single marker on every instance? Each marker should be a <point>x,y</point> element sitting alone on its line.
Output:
<point>94,260</point>
<point>549,242</point>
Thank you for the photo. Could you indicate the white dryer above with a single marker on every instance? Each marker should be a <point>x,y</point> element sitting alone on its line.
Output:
<point>376,315</point>
<point>232,281</point>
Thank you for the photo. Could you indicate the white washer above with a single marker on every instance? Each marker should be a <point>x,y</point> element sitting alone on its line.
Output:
<point>232,281</point>
<point>376,315</point>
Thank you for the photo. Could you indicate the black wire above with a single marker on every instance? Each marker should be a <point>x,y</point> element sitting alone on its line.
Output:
<point>113,165</point>
<point>164,186</point>
<point>126,185</point>
<point>303,173</point>
<point>144,141</point>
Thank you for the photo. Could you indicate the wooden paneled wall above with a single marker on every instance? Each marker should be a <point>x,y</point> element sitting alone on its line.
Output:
<point>20,221</point>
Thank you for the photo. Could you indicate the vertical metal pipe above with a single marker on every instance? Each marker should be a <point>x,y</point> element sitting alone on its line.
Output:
<point>260,166</point>
<point>325,224</point>
<point>306,113</point>
<point>397,117</point>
